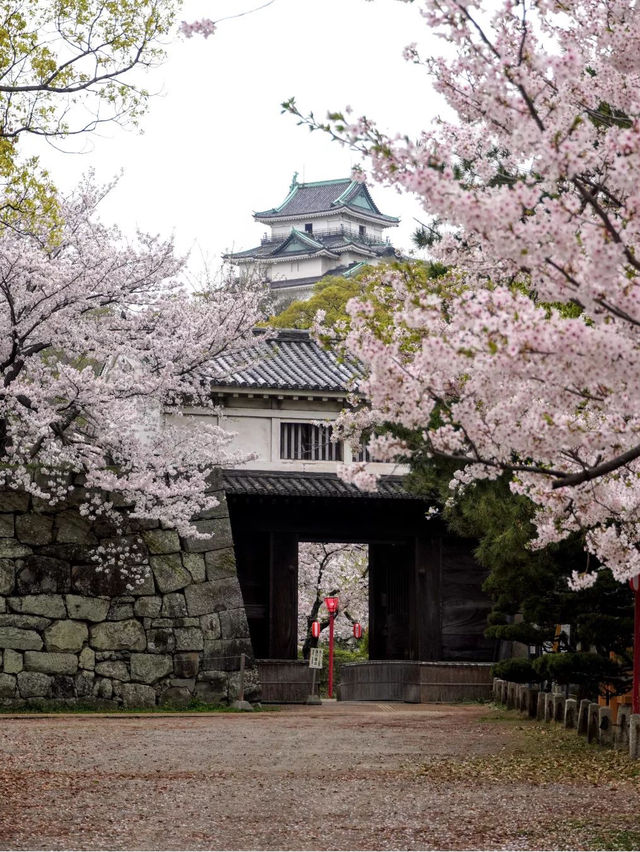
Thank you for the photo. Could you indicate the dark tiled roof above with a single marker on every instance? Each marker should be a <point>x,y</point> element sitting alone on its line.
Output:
<point>313,279</point>
<point>293,484</point>
<point>330,242</point>
<point>290,360</point>
<point>323,197</point>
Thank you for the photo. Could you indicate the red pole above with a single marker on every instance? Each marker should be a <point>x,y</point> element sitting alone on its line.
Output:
<point>331,617</point>
<point>636,651</point>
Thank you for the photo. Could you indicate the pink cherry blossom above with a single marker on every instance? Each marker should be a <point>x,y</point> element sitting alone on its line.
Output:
<point>536,180</point>
<point>101,344</point>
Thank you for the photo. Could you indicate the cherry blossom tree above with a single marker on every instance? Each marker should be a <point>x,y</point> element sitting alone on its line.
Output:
<point>67,67</point>
<point>526,357</point>
<point>100,347</point>
<point>326,569</point>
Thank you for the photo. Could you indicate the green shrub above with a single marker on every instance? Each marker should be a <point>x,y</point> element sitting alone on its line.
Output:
<point>516,669</point>
<point>593,673</point>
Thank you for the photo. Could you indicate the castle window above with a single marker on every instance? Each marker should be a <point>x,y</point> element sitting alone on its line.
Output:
<point>362,230</point>
<point>362,455</point>
<point>307,442</point>
<point>308,227</point>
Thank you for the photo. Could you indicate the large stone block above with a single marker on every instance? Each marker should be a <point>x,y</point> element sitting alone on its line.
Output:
<point>20,640</point>
<point>210,626</point>
<point>212,688</point>
<point>234,624</point>
<point>13,661</point>
<point>189,639</point>
<point>213,596</point>
<point>51,606</point>
<point>149,668</point>
<point>84,683</point>
<point>220,563</point>
<point>43,575</point>
<point>194,563</point>
<point>7,524</point>
<point>174,604</point>
<point>118,636</point>
<point>66,636</point>
<point>85,580</point>
<point>86,608</point>
<point>176,696</point>
<point>50,663</point>
<point>161,541</point>
<point>34,684</point>
<point>224,654</point>
<point>138,695</point>
<point>169,572</point>
<point>218,532</point>
<point>161,640</point>
<point>34,529</point>
<point>103,688</point>
<point>63,686</point>
<point>8,685</point>
<point>72,528</point>
<point>144,585</point>
<point>87,659</point>
<point>12,549</point>
<point>24,622</point>
<point>113,668</point>
<point>7,576</point>
<point>186,665</point>
<point>148,607</point>
<point>14,501</point>
<point>119,611</point>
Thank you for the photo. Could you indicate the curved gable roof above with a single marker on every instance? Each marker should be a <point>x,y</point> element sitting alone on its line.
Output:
<point>325,197</point>
<point>290,360</point>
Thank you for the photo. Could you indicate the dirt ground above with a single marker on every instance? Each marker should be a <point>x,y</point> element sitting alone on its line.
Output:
<point>340,776</point>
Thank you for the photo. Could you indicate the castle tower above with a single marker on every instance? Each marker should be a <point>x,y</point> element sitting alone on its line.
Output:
<point>329,227</point>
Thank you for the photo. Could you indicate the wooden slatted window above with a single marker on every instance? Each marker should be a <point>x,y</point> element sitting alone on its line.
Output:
<point>362,455</point>
<point>307,442</point>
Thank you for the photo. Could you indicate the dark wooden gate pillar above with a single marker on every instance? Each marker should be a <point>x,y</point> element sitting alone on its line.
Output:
<point>283,597</point>
<point>427,609</point>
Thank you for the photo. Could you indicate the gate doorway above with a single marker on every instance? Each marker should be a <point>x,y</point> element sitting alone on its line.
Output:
<point>426,602</point>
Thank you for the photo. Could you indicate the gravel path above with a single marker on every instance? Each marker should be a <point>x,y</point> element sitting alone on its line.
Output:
<point>340,776</point>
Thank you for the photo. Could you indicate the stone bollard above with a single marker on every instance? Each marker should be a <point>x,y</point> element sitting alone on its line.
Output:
<point>634,736</point>
<point>558,708</point>
<point>548,706</point>
<point>605,727</point>
<point>621,739</point>
<point>593,724</point>
<point>504,687</point>
<point>540,705</point>
<point>532,702</point>
<point>511,695</point>
<point>583,717</point>
<point>522,698</point>
<point>570,713</point>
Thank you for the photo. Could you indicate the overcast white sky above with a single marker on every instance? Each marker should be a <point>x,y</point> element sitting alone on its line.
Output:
<point>215,147</point>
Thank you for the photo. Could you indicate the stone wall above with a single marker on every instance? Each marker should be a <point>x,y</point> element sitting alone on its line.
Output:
<point>70,634</point>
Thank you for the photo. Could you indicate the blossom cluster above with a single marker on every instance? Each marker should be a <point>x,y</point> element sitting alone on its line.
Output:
<point>530,361</point>
<point>101,345</point>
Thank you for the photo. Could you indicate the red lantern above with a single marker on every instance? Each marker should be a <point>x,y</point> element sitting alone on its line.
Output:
<point>357,630</point>
<point>315,629</point>
<point>332,605</point>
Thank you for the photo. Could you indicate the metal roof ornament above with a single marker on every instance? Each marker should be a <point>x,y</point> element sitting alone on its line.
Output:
<point>294,181</point>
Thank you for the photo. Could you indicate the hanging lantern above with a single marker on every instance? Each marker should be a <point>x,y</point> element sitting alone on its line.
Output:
<point>332,605</point>
<point>357,630</point>
<point>315,629</point>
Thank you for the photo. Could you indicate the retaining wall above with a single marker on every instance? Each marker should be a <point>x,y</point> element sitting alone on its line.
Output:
<point>70,634</point>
